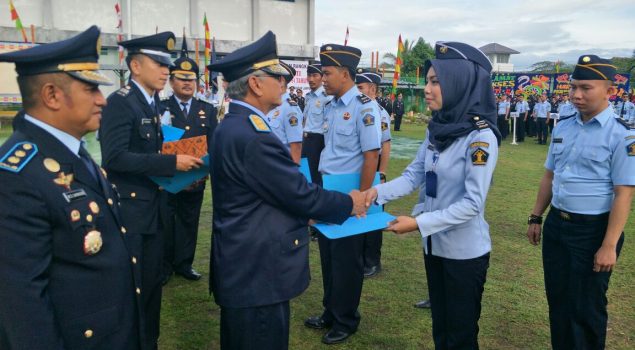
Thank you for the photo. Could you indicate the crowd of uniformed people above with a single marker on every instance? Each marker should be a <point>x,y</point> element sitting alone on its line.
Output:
<point>85,249</point>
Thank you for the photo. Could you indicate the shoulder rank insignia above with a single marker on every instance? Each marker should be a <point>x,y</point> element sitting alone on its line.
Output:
<point>630,149</point>
<point>18,156</point>
<point>363,98</point>
<point>567,117</point>
<point>479,157</point>
<point>292,102</point>
<point>369,119</point>
<point>624,123</point>
<point>258,123</point>
<point>480,123</point>
<point>124,91</point>
<point>293,120</point>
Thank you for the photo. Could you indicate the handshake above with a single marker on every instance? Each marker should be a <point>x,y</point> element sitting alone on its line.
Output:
<point>362,201</point>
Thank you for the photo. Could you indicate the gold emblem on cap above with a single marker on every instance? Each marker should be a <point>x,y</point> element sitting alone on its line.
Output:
<point>185,65</point>
<point>170,44</point>
<point>328,48</point>
<point>92,242</point>
<point>359,70</point>
<point>443,49</point>
<point>51,165</point>
<point>20,153</point>
<point>94,207</point>
<point>586,59</point>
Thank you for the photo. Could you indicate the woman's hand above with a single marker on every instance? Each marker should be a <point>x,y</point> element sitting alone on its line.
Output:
<point>403,224</point>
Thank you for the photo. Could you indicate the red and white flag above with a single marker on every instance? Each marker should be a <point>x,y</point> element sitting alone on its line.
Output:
<point>346,38</point>
<point>120,34</point>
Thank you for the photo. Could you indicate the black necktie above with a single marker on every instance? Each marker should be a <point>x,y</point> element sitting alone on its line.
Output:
<point>88,162</point>
<point>184,104</point>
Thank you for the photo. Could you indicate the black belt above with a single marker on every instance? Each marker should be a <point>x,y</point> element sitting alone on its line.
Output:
<point>306,133</point>
<point>573,217</point>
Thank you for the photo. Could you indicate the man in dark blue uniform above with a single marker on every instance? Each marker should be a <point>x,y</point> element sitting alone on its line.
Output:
<point>181,211</point>
<point>68,275</point>
<point>398,110</point>
<point>259,258</point>
<point>131,141</point>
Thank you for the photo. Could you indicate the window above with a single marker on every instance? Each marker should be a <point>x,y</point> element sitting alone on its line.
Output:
<point>503,58</point>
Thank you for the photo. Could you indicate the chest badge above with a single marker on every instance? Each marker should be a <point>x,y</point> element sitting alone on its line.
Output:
<point>92,242</point>
<point>51,165</point>
<point>64,180</point>
<point>347,116</point>
<point>479,157</point>
<point>318,103</point>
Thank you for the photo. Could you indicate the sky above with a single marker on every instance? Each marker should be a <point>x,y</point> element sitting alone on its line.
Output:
<point>545,30</point>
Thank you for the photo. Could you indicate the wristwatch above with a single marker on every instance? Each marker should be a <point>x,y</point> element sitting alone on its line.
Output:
<point>534,219</point>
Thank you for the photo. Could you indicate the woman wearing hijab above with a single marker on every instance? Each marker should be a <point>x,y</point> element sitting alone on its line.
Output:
<point>453,169</point>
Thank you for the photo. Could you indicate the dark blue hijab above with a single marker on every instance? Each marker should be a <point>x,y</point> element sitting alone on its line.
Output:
<point>467,92</point>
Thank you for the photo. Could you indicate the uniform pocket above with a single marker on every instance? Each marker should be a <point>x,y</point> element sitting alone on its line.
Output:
<point>147,132</point>
<point>87,332</point>
<point>595,162</point>
<point>294,240</point>
<point>346,136</point>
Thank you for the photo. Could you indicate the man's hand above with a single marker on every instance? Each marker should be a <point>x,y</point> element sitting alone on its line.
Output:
<point>370,196</point>
<point>533,233</point>
<point>605,259</point>
<point>359,203</point>
<point>187,163</point>
<point>403,224</point>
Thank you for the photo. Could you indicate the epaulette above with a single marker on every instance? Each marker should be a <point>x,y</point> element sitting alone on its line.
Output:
<point>204,101</point>
<point>381,108</point>
<point>479,122</point>
<point>324,93</point>
<point>624,123</point>
<point>18,156</point>
<point>124,91</point>
<point>292,102</point>
<point>258,123</point>
<point>327,102</point>
<point>363,98</point>
<point>567,117</point>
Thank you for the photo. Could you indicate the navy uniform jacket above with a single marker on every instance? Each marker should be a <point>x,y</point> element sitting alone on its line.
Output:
<point>398,108</point>
<point>54,294</point>
<point>260,242</point>
<point>131,141</point>
<point>200,121</point>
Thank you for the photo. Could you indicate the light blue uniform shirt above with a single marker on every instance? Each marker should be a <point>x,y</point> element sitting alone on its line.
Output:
<point>455,218</point>
<point>252,108</point>
<point>353,127</point>
<point>629,112</point>
<point>587,160</point>
<point>542,109</point>
<point>502,107</point>
<point>522,107</point>
<point>566,109</point>
<point>314,110</point>
<point>286,121</point>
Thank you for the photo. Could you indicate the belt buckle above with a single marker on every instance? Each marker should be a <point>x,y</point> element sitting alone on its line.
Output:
<point>565,216</point>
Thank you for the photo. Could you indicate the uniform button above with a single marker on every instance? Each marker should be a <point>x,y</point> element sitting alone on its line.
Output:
<point>88,333</point>
<point>123,229</point>
<point>110,202</point>
<point>134,260</point>
<point>296,242</point>
<point>89,218</point>
<point>133,194</point>
<point>138,291</point>
<point>159,151</point>
<point>203,125</point>
<point>187,128</point>
<point>148,135</point>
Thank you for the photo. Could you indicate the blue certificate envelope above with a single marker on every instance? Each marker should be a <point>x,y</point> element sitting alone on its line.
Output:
<point>182,179</point>
<point>376,218</point>
<point>304,169</point>
<point>171,133</point>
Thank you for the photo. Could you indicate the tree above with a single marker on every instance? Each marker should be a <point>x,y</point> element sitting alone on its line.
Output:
<point>550,67</point>
<point>413,56</point>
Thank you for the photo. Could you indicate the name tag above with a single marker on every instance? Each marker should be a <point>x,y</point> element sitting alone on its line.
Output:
<point>145,121</point>
<point>74,195</point>
<point>557,140</point>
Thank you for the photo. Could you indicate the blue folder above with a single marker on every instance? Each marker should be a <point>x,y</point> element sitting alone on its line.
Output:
<point>304,169</point>
<point>376,218</point>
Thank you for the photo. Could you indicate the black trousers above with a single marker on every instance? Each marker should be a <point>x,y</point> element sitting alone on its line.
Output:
<point>372,248</point>
<point>520,128</point>
<point>151,288</point>
<point>180,214</point>
<point>342,278</point>
<point>576,295</point>
<point>255,328</point>
<point>455,288</point>
<point>503,126</point>
<point>530,126</point>
<point>398,122</point>
<point>542,131</point>
<point>312,146</point>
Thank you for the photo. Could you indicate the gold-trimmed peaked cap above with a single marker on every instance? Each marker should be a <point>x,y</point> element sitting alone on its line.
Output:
<point>261,55</point>
<point>77,56</point>
<point>592,67</point>
<point>184,68</point>
<point>340,56</point>
<point>289,69</point>
<point>159,46</point>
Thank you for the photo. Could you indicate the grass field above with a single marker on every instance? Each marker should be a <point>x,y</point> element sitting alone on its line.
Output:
<point>514,312</point>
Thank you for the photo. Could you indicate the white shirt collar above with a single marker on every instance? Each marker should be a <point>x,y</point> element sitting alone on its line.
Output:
<point>69,141</point>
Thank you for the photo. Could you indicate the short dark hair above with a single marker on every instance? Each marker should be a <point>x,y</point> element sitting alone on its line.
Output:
<point>30,86</point>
